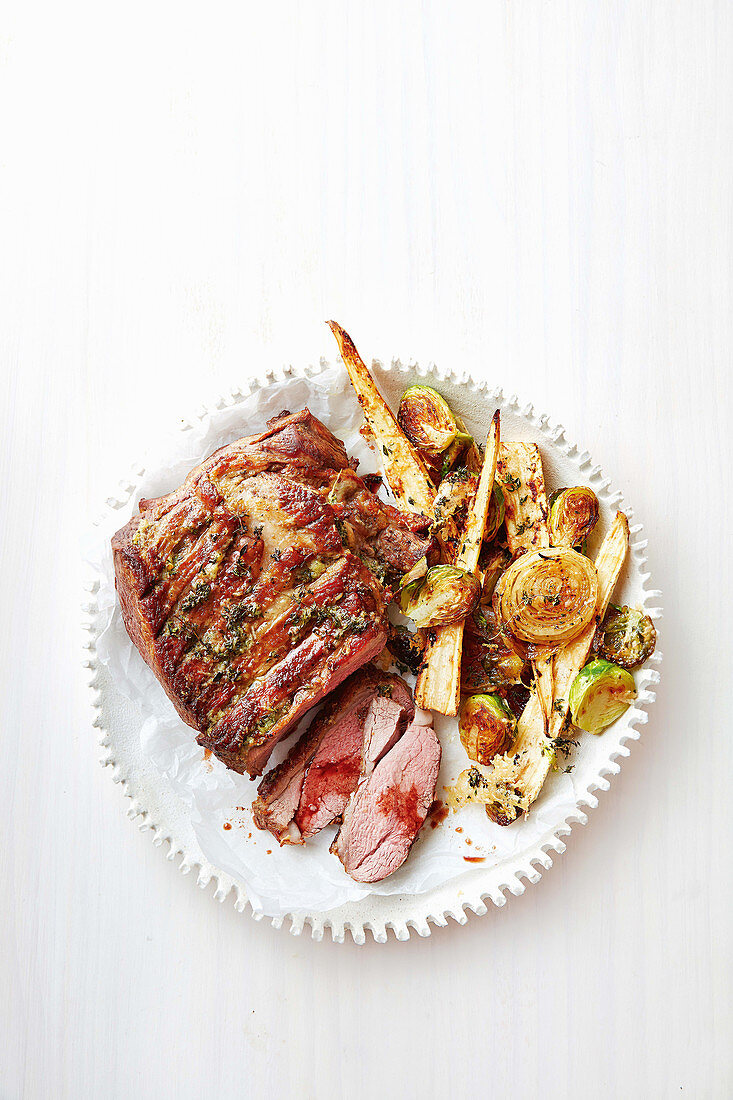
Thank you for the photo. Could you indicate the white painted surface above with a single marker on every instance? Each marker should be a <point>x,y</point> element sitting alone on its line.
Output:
<point>541,191</point>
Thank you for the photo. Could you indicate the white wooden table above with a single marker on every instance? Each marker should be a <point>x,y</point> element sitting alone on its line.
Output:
<point>537,191</point>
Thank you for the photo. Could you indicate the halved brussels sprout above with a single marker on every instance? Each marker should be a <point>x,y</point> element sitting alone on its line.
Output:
<point>487,727</point>
<point>446,595</point>
<point>426,419</point>
<point>600,693</point>
<point>495,517</point>
<point>573,515</point>
<point>628,636</point>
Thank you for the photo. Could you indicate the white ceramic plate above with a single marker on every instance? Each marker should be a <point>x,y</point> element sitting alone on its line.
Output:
<point>155,806</point>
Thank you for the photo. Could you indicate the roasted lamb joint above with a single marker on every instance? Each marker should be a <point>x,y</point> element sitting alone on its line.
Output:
<point>259,585</point>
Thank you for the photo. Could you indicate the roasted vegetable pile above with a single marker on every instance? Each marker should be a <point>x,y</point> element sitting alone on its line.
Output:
<point>517,615</point>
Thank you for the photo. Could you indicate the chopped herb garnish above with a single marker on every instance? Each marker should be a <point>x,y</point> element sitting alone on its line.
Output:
<point>197,595</point>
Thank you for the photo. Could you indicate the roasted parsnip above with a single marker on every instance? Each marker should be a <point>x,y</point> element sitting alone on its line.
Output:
<point>519,473</point>
<point>404,469</point>
<point>438,685</point>
<point>511,785</point>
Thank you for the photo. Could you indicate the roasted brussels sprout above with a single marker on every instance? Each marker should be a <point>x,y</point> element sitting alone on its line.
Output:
<point>427,421</point>
<point>573,515</point>
<point>487,727</point>
<point>406,648</point>
<point>487,662</point>
<point>628,636</point>
<point>600,693</point>
<point>547,597</point>
<point>445,595</point>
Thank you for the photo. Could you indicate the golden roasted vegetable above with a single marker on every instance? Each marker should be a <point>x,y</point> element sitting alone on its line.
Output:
<point>445,595</point>
<point>404,469</point>
<point>486,726</point>
<point>628,636</point>
<point>512,784</point>
<point>600,694</point>
<point>519,474</point>
<point>426,419</point>
<point>573,515</point>
<point>546,598</point>
<point>438,685</point>
<point>453,499</point>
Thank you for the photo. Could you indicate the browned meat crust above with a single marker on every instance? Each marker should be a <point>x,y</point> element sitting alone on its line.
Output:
<point>261,583</point>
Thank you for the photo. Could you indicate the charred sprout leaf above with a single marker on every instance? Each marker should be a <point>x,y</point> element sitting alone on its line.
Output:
<point>628,636</point>
<point>417,572</point>
<point>496,514</point>
<point>426,419</point>
<point>517,697</point>
<point>600,693</point>
<point>446,595</point>
<point>408,593</point>
<point>406,648</point>
<point>573,515</point>
<point>546,598</point>
<point>450,457</point>
<point>486,726</point>
<point>493,566</point>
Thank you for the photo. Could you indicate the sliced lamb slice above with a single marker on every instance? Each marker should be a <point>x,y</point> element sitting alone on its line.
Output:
<point>385,723</point>
<point>313,784</point>
<point>388,808</point>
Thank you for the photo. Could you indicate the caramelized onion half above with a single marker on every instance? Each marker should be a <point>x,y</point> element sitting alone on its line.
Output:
<point>546,598</point>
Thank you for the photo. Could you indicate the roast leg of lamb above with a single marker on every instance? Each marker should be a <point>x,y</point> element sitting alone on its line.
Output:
<point>259,585</point>
<point>311,787</point>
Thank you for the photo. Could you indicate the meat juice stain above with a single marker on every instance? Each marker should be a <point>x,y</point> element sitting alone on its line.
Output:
<point>474,859</point>
<point>437,813</point>
<point>227,825</point>
<point>405,805</point>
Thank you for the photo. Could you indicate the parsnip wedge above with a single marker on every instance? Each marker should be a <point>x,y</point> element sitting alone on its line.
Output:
<point>438,685</point>
<point>404,469</point>
<point>513,782</point>
<point>519,473</point>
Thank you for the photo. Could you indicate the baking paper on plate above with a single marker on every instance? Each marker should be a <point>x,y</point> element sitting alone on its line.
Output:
<point>278,880</point>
